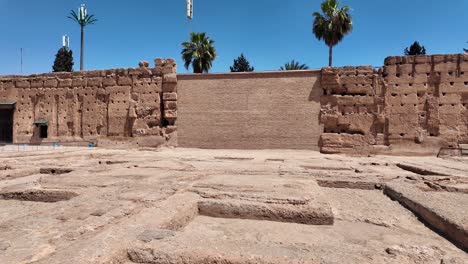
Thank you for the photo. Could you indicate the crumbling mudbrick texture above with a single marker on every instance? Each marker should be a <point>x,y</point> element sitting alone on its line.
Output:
<point>412,104</point>
<point>136,104</point>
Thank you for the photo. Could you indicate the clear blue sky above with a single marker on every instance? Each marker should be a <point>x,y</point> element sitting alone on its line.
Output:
<point>268,32</point>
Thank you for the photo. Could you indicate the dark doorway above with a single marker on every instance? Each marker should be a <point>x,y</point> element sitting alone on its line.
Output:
<point>6,125</point>
<point>43,131</point>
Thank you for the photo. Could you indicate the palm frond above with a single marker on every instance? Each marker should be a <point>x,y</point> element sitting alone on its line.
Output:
<point>293,66</point>
<point>333,24</point>
<point>198,52</point>
<point>87,20</point>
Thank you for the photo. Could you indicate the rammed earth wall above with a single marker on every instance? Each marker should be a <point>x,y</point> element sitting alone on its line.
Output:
<point>117,106</point>
<point>412,105</point>
<point>250,110</point>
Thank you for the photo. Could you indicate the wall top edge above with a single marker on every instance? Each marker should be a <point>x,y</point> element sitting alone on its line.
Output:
<point>235,75</point>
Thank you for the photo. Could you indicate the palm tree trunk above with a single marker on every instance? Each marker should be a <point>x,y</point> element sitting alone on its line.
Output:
<point>330,55</point>
<point>82,48</point>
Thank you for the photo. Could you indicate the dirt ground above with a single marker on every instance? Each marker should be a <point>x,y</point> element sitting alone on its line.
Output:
<point>93,205</point>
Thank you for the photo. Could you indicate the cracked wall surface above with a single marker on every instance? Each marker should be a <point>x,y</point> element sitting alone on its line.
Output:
<point>118,106</point>
<point>413,104</point>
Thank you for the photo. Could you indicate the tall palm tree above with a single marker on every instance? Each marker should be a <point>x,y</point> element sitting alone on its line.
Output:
<point>333,25</point>
<point>83,19</point>
<point>199,52</point>
<point>293,66</point>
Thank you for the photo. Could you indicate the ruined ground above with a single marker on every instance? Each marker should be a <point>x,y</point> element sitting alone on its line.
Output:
<point>83,205</point>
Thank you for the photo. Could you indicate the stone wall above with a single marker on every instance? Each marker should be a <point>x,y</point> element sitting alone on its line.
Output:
<point>276,110</point>
<point>136,106</point>
<point>413,105</point>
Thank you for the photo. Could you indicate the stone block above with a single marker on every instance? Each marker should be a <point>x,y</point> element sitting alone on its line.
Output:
<point>65,83</point>
<point>450,99</point>
<point>422,59</point>
<point>37,83</point>
<point>158,62</point>
<point>157,70</point>
<point>170,96</point>
<point>121,72</point>
<point>93,74</point>
<point>169,87</point>
<point>143,64</point>
<point>109,81</point>
<point>63,75</point>
<point>168,70</point>
<point>8,84</point>
<point>52,83</point>
<point>170,114</point>
<point>124,80</point>
<point>94,82</point>
<point>422,68</point>
<point>78,82</point>
<point>355,80</point>
<point>22,83</point>
<point>170,129</point>
<point>170,105</point>
<point>170,62</point>
<point>170,78</point>
<point>390,60</point>
<point>446,67</point>
<point>366,89</point>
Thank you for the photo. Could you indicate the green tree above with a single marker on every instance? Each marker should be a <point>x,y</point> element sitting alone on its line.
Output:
<point>332,26</point>
<point>241,64</point>
<point>415,49</point>
<point>83,19</point>
<point>63,60</point>
<point>293,66</point>
<point>199,52</point>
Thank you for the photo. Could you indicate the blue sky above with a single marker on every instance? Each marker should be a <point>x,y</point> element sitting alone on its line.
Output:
<point>268,32</point>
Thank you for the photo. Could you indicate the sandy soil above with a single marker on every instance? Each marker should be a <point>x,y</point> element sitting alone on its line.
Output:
<point>82,205</point>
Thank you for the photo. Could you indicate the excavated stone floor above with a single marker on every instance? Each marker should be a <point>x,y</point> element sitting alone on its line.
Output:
<point>93,205</point>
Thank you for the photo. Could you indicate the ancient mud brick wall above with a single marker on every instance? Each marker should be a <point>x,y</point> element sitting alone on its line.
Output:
<point>259,110</point>
<point>136,105</point>
<point>414,104</point>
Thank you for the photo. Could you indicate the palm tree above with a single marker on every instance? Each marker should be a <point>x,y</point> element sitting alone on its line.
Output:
<point>293,66</point>
<point>83,19</point>
<point>333,25</point>
<point>199,52</point>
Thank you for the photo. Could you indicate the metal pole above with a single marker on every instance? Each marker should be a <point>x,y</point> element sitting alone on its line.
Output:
<point>21,51</point>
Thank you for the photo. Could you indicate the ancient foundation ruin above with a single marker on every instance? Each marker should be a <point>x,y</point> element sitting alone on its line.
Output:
<point>193,206</point>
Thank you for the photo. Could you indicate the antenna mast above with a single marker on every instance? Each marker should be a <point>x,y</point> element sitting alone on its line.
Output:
<point>190,9</point>
<point>65,42</point>
<point>21,52</point>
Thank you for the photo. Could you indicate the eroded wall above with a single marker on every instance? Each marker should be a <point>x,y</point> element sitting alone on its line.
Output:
<point>109,106</point>
<point>413,105</point>
<point>276,110</point>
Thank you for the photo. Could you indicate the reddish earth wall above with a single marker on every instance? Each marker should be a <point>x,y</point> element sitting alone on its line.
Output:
<point>114,106</point>
<point>249,110</point>
<point>411,105</point>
